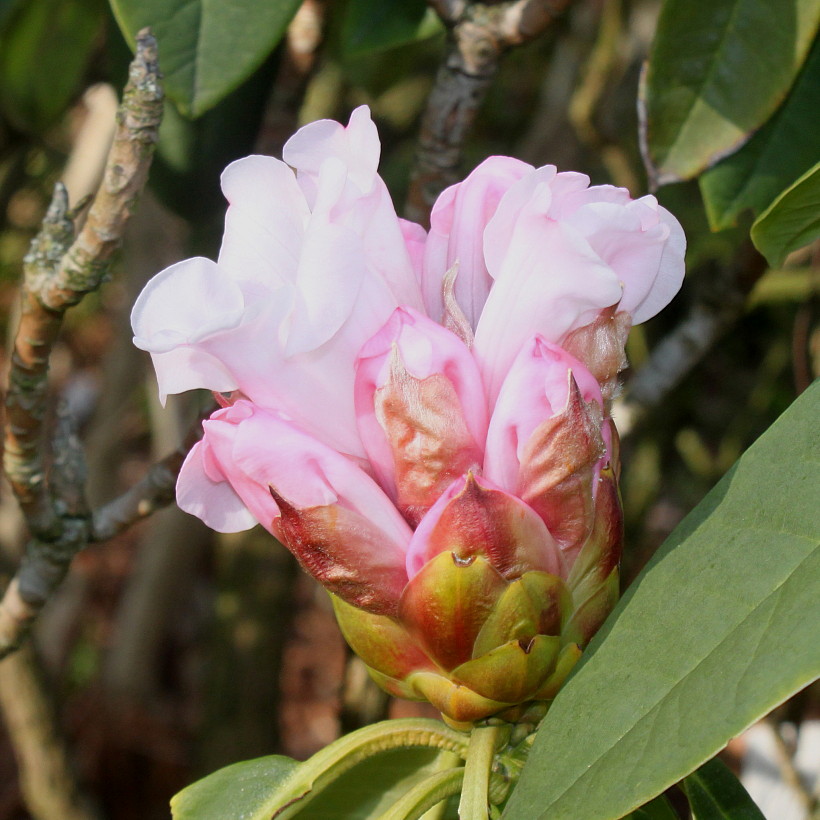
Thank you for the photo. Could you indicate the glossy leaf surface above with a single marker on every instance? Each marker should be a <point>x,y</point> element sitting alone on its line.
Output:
<point>718,629</point>
<point>207,47</point>
<point>781,151</point>
<point>791,221</point>
<point>716,794</point>
<point>373,25</point>
<point>711,81</point>
<point>45,49</point>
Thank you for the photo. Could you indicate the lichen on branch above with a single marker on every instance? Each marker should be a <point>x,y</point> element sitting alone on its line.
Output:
<point>59,270</point>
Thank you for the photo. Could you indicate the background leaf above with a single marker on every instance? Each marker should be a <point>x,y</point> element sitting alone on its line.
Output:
<point>657,809</point>
<point>714,793</point>
<point>791,221</point>
<point>718,629</point>
<point>711,81</point>
<point>207,47</point>
<point>373,25</point>
<point>786,147</point>
<point>46,48</point>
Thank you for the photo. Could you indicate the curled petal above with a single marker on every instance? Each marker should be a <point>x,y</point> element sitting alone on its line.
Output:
<point>204,492</point>
<point>166,316</point>
<point>473,518</point>
<point>356,145</point>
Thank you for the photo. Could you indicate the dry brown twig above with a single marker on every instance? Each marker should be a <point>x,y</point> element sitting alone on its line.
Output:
<point>59,270</point>
<point>478,35</point>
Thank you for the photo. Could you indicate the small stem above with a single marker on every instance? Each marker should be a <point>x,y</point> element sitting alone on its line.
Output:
<point>480,752</point>
<point>445,762</point>
<point>426,795</point>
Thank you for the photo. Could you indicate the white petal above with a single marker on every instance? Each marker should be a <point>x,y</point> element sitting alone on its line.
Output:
<point>214,502</point>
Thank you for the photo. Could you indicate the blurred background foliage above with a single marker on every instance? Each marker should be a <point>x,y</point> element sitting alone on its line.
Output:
<point>171,651</point>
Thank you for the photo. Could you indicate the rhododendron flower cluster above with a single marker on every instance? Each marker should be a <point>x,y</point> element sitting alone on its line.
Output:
<point>421,418</point>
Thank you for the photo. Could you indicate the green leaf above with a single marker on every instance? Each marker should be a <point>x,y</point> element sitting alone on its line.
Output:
<point>368,790</point>
<point>252,790</point>
<point>716,794</point>
<point>207,47</point>
<point>717,71</point>
<point>791,221</point>
<point>353,774</point>
<point>657,809</point>
<point>46,48</point>
<point>772,159</point>
<point>240,790</point>
<point>718,629</point>
<point>373,25</point>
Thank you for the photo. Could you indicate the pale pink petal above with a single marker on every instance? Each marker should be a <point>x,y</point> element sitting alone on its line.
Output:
<point>357,146</point>
<point>536,389</point>
<point>265,222</point>
<point>531,192</point>
<point>191,368</point>
<point>670,273</point>
<point>457,224</point>
<point>213,501</point>
<point>415,238</point>
<point>177,310</point>
<point>550,282</point>
<point>306,474</point>
<point>329,278</point>
<point>185,303</point>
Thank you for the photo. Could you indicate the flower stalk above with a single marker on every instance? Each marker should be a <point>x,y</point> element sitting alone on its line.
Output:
<point>484,740</point>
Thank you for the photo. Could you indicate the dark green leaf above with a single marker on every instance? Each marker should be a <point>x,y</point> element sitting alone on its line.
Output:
<point>716,794</point>
<point>791,221</point>
<point>657,809</point>
<point>786,147</point>
<point>191,155</point>
<point>373,25</point>
<point>207,47</point>
<point>719,628</point>
<point>46,48</point>
<point>717,71</point>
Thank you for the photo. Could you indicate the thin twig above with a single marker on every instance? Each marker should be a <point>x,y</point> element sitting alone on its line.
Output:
<point>717,309</point>
<point>478,35</point>
<point>59,270</point>
<point>152,492</point>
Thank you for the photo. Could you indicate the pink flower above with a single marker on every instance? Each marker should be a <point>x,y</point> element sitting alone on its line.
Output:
<point>313,264</point>
<point>421,419</point>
